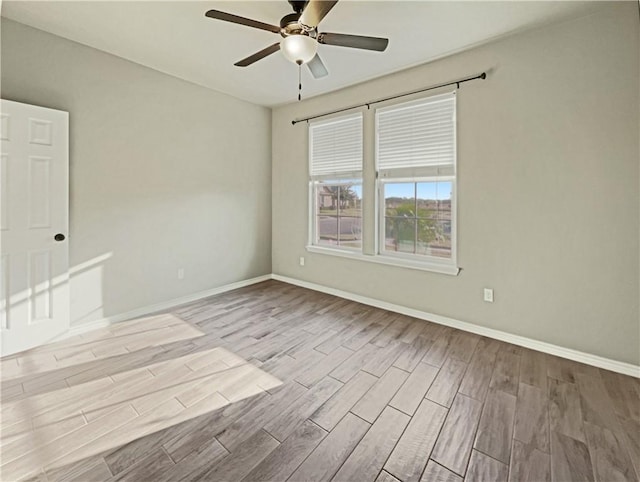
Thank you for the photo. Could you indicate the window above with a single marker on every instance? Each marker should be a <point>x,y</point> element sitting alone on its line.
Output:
<point>417,218</point>
<point>335,184</point>
<point>411,185</point>
<point>416,162</point>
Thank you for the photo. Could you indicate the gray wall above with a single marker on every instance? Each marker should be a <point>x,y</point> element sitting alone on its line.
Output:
<point>164,174</point>
<point>548,193</point>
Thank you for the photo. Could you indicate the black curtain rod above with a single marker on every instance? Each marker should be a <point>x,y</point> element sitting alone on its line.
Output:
<point>457,83</point>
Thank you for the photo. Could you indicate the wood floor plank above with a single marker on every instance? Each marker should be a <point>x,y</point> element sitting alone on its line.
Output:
<point>462,345</point>
<point>374,401</point>
<point>42,385</point>
<point>197,463</point>
<point>484,468</point>
<point>43,456</point>
<point>149,468</point>
<point>410,457</point>
<point>437,353</point>
<point>92,469</point>
<point>384,358</point>
<point>570,460</point>
<point>631,435</point>
<point>437,473</point>
<point>506,373</point>
<point>496,426</point>
<point>365,335</point>
<point>195,389</point>
<point>244,459</point>
<point>367,459</point>
<point>13,431</point>
<point>354,363</point>
<point>413,330</point>
<point>260,415</point>
<point>454,444</point>
<point>41,435</point>
<point>317,372</point>
<point>565,412</point>
<point>10,391</point>
<point>528,464</point>
<point>533,369</point>
<point>475,382</point>
<point>413,354</point>
<point>624,393</point>
<point>392,332</point>
<point>284,460</point>
<point>608,453</point>
<point>332,411</point>
<point>58,404</point>
<point>445,386</point>
<point>283,425</point>
<point>139,426</point>
<point>386,477</point>
<point>331,453</point>
<point>561,369</point>
<point>181,439</point>
<point>532,421</point>
<point>414,389</point>
<point>596,404</point>
<point>331,344</point>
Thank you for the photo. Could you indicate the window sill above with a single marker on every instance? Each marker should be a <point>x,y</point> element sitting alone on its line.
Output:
<point>388,260</point>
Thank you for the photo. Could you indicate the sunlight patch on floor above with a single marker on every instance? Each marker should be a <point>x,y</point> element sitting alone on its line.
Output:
<point>52,429</point>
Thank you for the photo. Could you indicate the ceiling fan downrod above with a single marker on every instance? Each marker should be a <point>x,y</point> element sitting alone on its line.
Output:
<point>298,5</point>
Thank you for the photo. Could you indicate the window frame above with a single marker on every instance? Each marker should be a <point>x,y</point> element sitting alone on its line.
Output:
<point>335,178</point>
<point>375,252</point>
<point>314,215</point>
<point>428,173</point>
<point>418,259</point>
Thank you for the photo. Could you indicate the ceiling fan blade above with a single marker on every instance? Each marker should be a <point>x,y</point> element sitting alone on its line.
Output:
<point>228,17</point>
<point>353,41</point>
<point>258,55</point>
<point>315,11</point>
<point>317,68</point>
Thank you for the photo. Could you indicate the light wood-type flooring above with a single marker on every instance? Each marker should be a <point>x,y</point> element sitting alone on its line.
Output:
<point>274,382</point>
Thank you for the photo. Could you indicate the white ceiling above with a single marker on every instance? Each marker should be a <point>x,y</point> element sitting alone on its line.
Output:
<point>175,37</point>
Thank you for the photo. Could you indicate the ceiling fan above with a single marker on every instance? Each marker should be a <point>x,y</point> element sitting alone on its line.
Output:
<point>300,36</point>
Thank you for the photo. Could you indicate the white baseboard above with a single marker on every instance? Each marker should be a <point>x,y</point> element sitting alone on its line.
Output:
<point>579,356</point>
<point>165,305</point>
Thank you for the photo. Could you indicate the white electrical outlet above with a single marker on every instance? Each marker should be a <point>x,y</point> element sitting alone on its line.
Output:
<point>488,295</point>
<point>301,260</point>
<point>180,273</point>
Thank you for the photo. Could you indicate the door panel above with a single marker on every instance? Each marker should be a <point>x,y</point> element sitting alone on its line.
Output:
<point>35,268</point>
<point>39,192</point>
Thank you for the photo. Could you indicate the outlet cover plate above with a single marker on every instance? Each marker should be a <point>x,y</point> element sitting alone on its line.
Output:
<point>488,295</point>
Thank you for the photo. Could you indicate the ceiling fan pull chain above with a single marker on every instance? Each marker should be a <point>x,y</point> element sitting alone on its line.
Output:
<point>299,80</point>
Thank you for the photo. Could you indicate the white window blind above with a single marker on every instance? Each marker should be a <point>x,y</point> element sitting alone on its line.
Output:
<point>417,134</point>
<point>336,146</point>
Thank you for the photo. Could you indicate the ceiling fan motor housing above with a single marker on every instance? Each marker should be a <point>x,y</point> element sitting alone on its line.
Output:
<point>290,25</point>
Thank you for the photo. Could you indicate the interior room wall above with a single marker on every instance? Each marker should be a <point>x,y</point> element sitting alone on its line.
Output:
<point>164,174</point>
<point>548,187</point>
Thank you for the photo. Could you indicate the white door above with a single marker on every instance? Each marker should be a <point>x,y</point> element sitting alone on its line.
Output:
<point>34,222</point>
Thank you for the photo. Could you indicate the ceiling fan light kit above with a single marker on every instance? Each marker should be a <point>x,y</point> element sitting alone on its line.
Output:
<point>299,48</point>
<point>300,36</point>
